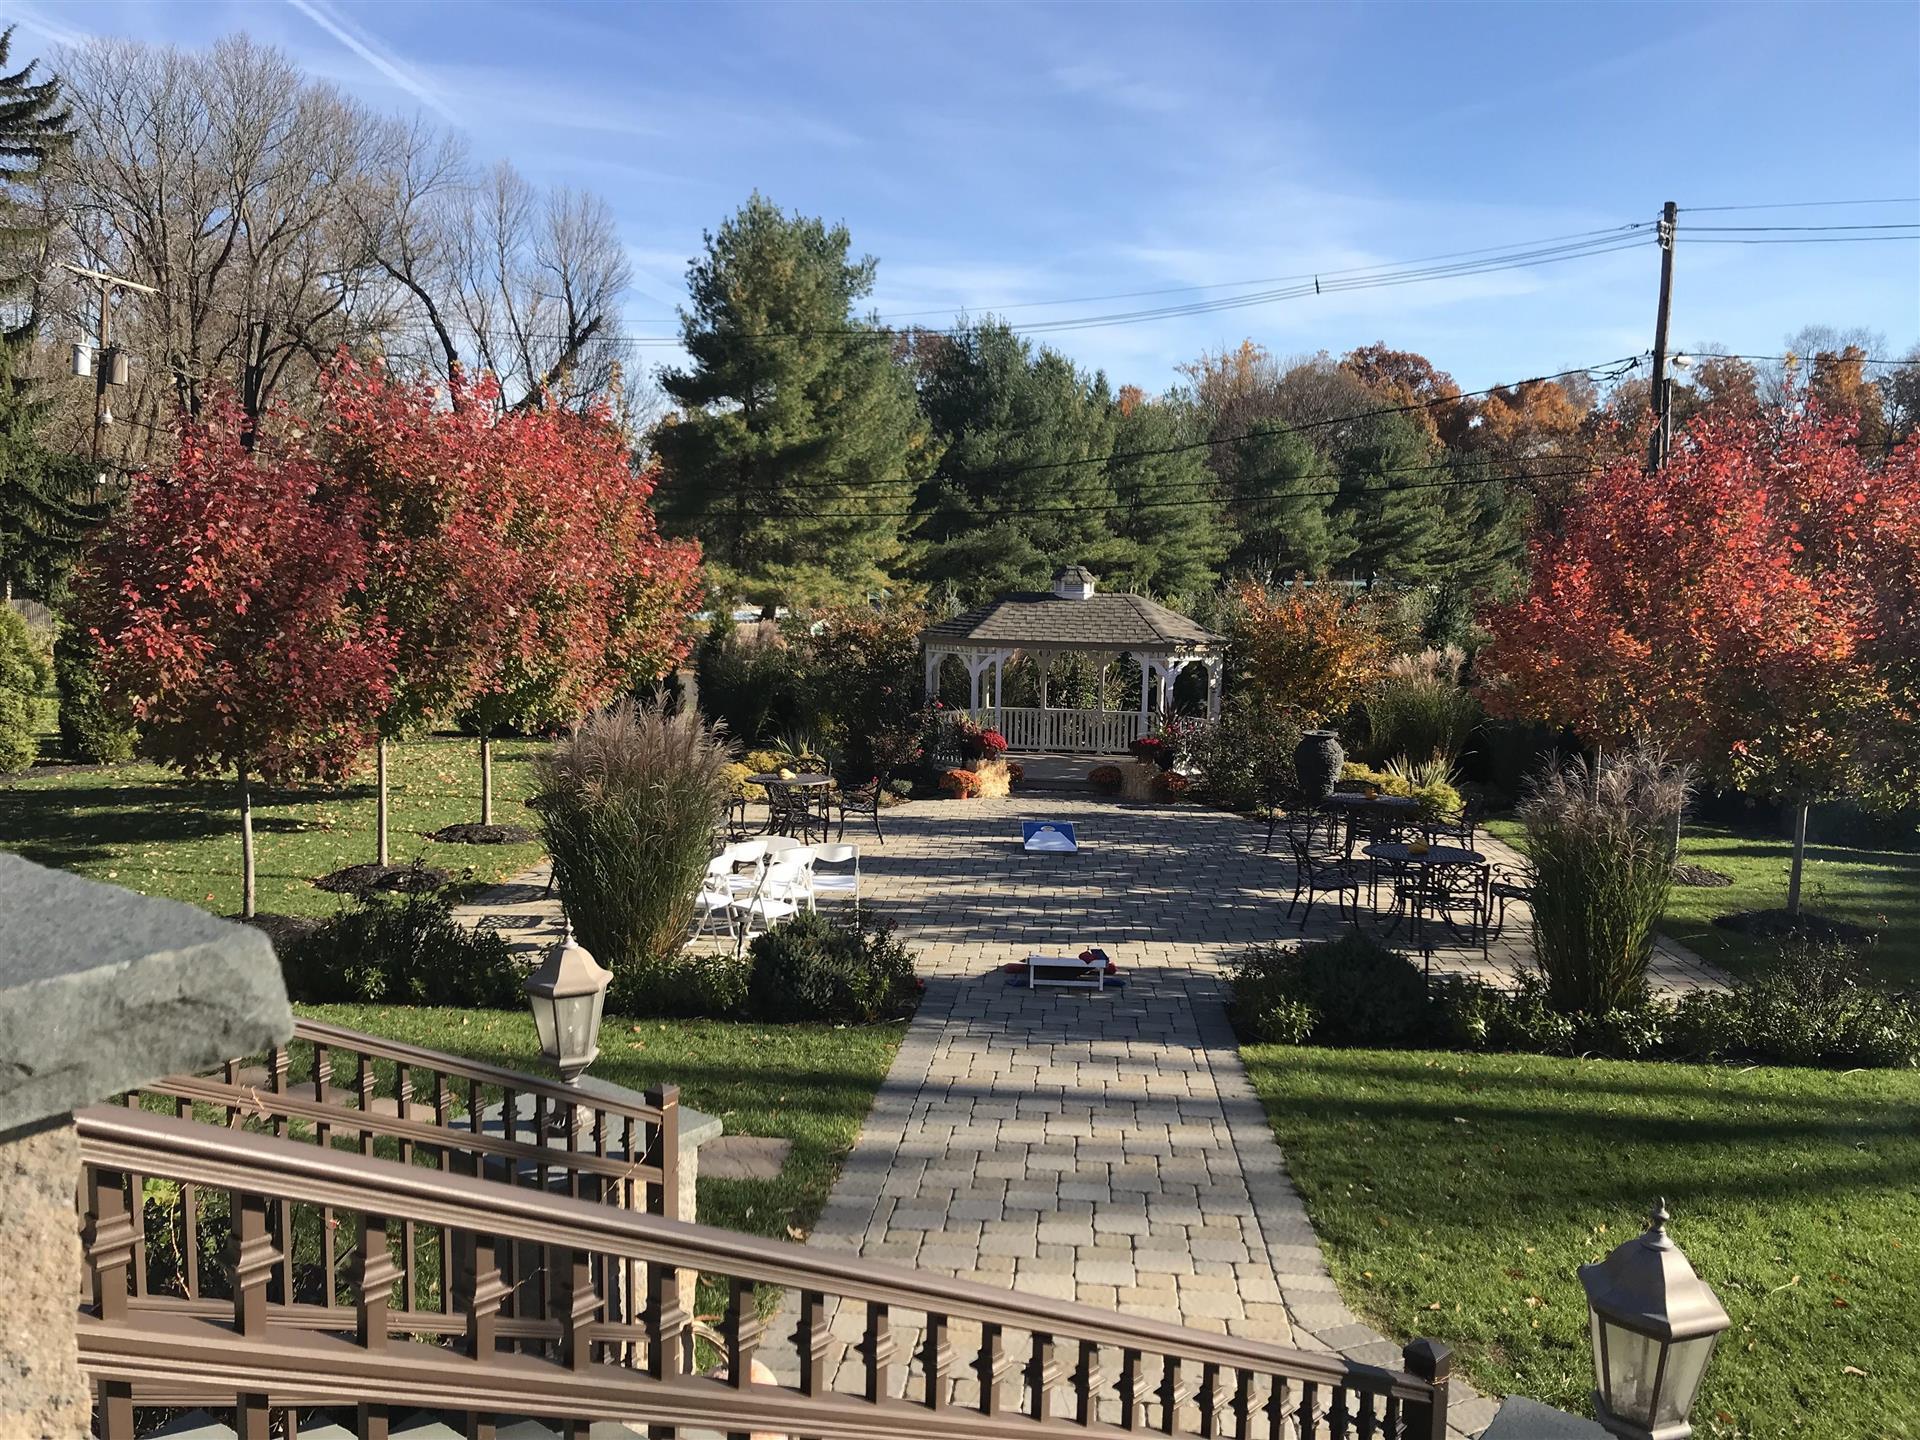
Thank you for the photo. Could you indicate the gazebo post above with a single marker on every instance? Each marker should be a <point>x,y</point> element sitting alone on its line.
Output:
<point>1214,669</point>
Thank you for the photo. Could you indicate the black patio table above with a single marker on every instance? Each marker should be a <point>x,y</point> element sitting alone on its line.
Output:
<point>801,815</point>
<point>1427,865</point>
<point>1371,814</point>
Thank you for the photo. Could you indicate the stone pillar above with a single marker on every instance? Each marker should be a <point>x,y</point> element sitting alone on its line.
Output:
<point>101,990</point>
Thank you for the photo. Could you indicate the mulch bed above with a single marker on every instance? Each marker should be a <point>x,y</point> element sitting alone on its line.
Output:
<point>1699,876</point>
<point>476,834</point>
<point>283,930</point>
<point>1779,925</point>
<point>414,879</point>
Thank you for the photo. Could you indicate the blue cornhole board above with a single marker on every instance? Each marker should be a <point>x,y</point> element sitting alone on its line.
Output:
<point>1048,837</point>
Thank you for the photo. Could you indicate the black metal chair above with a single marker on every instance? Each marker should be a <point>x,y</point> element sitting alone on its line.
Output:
<point>1313,875</point>
<point>1457,829</point>
<point>862,802</point>
<point>790,811</point>
<point>1505,884</point>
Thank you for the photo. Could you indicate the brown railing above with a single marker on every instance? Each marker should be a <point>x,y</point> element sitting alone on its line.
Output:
<point>923,1356</point>
<point>333,1088</point>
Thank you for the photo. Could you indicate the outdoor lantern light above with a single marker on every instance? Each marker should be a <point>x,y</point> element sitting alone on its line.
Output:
<point>567,992</point>
<point>1654,1324</point>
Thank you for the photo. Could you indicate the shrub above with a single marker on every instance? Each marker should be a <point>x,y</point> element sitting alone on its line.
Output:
<point>862,678</point>
<point>627,806</point>
<point>961,784</point>
<point>1601,842</point>
<point>1419,716</point>
<point>1106,778</point>
<point>1308,649</point>
<point>750,680</point>
<point>404,951</point>
<point>764,762</point>
<point>23,675</point>
<point>1358,991</point>
<point>89,731</point>
<point>738,784</point>
<point>1172,785</point>
<point>712,985</point>
<point>1815,1005</point>
<point>1245,758</point>
<point>815,968</point>
<point>1437,794</point>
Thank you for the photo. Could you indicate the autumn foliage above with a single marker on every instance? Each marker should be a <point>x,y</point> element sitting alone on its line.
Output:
<point>391,563</point>
<point>1751,605</point>
<point>226,602</point>
<point>1308,649</point>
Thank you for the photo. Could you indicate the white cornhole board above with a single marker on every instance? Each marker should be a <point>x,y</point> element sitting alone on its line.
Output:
<point>1067,971</point>
<point>1051,837</point>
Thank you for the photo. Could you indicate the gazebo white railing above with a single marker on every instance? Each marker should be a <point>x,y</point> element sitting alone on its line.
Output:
<point>1081,732</point>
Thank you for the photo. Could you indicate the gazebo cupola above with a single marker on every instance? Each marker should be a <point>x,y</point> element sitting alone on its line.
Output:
<point>1073,582</point>
<point>1074,618</point>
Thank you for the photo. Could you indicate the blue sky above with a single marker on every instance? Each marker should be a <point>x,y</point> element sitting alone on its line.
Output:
<point>1003,155</point>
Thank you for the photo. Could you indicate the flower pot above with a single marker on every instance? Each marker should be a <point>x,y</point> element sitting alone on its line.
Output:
<point>1316,764</point>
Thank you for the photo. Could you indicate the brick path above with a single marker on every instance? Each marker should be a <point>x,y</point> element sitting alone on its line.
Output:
<point>1104,1147</point>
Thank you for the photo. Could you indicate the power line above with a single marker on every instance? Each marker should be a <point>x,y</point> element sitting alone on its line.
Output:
<point>1808,240</point>
<point>1890,225</point>
<point>1613,230</point>
<point>1797,205</point>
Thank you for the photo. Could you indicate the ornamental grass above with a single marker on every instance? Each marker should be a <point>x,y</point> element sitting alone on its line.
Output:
<point>627,805</point>
<point>1601,841</point>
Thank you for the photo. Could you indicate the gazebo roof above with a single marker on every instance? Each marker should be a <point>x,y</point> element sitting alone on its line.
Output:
<point>1043,620</point>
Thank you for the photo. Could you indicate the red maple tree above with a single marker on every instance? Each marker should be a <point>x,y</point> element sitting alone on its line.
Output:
<point>601,599</point>
<point>226,601</point>
<point>1749,604</point>
<point>436,507</point>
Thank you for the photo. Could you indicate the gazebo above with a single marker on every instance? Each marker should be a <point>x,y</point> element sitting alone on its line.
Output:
<point>1072,619</point>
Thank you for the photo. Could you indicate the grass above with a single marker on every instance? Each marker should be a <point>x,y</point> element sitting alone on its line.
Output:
<point>150,830</point>
<point>1879,889</point>
<point>811,1084</point>
<point>1456,1195</point>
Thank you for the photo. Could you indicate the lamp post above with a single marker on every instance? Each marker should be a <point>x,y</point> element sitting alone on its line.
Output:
<point>567,992</point>
<point>1654,1323</point>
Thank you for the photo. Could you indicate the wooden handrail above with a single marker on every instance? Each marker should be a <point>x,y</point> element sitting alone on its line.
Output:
<point>116,1141</point>
<point>271,1104</point>
<point>336,1037</point>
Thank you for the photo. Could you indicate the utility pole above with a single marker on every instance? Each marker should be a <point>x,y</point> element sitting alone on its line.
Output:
<point>110,366</point>
<point>1660,398</point>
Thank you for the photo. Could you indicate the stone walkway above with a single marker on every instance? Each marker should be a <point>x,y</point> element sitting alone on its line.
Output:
<point>1107,1147</point>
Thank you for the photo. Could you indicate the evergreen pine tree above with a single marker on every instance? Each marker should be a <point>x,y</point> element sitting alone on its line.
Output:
<point>1168,516</point>
<point>1401,525</point>
<point>1021,487</point>
<point>800,444</point>
<point>44,514</point>
<point>1282,507</point>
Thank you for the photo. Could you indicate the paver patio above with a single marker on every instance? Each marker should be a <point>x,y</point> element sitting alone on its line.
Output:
<point>1102,1147</point>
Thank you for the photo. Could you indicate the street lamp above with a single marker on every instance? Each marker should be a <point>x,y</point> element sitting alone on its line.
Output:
<point>1654,1323</point>
<point>568,992</point>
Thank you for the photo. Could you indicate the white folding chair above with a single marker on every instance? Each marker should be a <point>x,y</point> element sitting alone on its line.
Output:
<point>741,883</point>
<point>835,884</point>
<point>779,846</point>
<point>715,897</point>
<point>782,891</point>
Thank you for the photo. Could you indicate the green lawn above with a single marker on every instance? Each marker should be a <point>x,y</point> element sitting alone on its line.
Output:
<point>1456,1194</point>
<point>811,1084</point>
<point>1879,889</point>
<point>147,829</point>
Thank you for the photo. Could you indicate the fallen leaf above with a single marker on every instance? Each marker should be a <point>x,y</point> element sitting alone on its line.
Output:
<point>794,1232</point>
<point>1853,1370</point>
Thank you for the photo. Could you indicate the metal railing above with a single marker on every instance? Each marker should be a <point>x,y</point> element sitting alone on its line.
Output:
<point>387,1270</point>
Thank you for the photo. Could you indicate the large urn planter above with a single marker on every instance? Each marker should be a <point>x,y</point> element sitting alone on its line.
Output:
<point>1317,761</point>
